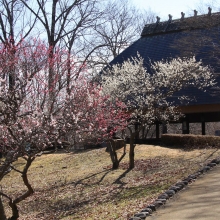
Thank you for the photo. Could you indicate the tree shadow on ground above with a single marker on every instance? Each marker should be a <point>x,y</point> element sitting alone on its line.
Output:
<point>116,193</point>
<point>106,172</point>
<point>119,179</point>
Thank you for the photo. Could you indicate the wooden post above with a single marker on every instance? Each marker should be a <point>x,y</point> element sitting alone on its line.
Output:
<point>157,130</point>
<point>164,128</point>
<point>203,128</point>
<point>185,127</point>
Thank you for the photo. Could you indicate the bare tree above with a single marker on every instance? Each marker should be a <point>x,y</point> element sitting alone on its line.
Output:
<point>120,25</point>
<point>64,21</point>
<point>15,25</point>
<point>94,31</point>
<point>15,21</point>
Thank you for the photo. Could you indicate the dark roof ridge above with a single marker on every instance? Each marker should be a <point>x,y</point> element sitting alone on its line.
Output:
<point>189,23</point>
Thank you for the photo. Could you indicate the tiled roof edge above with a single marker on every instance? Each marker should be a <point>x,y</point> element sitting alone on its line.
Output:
<point>194,22</point>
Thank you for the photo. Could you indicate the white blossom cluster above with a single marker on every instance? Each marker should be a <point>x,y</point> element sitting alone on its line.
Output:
<point>147,94</point>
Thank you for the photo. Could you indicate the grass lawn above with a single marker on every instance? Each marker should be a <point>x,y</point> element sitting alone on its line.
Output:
<point>81,185</point>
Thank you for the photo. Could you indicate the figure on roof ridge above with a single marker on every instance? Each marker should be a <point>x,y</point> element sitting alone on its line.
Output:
<point>158,19</point>
<point>195,13</point>
<point>209,11</point>
<point>170,17</point>
<point>182,15</point>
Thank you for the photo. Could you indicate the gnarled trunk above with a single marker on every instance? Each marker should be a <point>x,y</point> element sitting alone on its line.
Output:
<point>2,211</point>
<point>114,145</point>
<point>131,152</point>
<point>15,212</point>
<point>113,154</point>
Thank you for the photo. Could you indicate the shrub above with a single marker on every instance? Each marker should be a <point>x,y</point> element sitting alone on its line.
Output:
<point>190,140</point>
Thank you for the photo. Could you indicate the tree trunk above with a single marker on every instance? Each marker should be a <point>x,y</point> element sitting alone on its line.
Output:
<point>15,213</point>
<point>131,153</point>
<point>30,191</point>
<point>113,154</point>
<point>115,164</point>
<point>2,211</point>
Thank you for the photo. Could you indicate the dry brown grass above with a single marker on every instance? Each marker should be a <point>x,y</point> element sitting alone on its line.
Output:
<point>83,186</point>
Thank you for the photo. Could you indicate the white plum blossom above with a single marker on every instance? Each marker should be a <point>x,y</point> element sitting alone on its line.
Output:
<point>146,93</point>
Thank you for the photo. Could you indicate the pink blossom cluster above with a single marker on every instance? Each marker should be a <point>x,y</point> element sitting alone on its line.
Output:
<point>44,99</point>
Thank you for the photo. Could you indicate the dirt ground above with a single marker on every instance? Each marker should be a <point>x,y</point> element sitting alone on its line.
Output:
<point>81,185</point>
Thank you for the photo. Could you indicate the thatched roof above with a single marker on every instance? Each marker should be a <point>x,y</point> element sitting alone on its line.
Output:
<point>196,35</point>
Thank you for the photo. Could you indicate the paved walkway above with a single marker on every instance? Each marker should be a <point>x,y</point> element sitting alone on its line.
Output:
<point>199,201</point>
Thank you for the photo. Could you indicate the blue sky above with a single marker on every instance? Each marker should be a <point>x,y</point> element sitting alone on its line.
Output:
<point>174,7</point>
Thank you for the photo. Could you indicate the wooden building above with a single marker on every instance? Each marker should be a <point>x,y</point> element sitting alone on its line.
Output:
<point>198,35</point>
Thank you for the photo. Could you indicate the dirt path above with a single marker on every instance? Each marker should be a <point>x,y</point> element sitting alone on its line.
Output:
<point>200,200</point>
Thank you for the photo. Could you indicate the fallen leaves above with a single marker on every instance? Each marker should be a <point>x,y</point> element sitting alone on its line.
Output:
<point>88,189</point>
